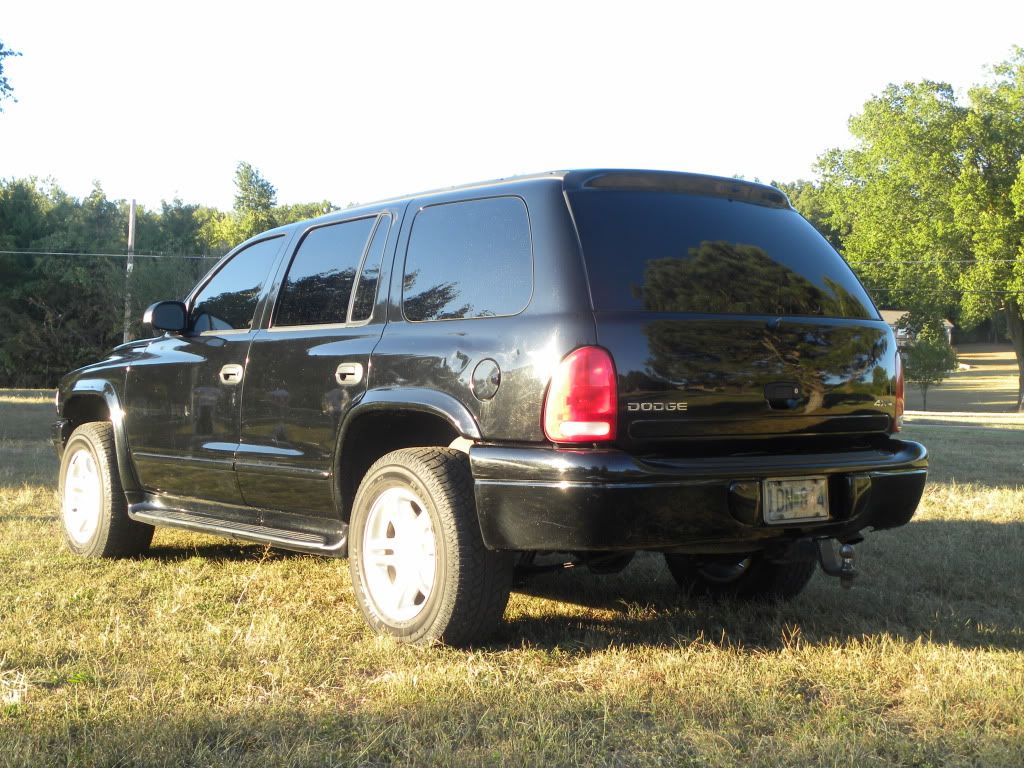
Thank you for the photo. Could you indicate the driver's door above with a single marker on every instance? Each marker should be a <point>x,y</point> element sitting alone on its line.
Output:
<point>183,398</point>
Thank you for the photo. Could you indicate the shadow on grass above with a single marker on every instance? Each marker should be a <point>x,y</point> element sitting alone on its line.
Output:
<point>226,551</point>
<point>947,582</point>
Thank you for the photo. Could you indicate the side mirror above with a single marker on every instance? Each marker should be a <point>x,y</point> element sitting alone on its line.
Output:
<point>166,316</point>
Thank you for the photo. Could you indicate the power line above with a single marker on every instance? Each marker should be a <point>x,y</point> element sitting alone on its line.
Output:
<point>935,261</point>
<point>934,291</point>
<point>105,255</point>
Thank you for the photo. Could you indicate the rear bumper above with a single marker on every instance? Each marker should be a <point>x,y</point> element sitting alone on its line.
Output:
<point>572,500</point>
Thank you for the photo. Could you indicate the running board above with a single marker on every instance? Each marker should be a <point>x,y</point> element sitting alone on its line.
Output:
<point>300,541</point>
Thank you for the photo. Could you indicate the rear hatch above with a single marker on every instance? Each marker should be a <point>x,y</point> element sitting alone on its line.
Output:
<point>728,316</point>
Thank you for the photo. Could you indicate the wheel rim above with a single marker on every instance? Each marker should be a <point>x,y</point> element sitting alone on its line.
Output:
<point>83,496</point>
<point>399,554</point>
<point>725,572</point>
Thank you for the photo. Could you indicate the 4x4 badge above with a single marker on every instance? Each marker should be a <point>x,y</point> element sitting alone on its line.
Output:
<point>655,407</point>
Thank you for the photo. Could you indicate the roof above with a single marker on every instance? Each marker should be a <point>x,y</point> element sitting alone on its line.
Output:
<point>587,178</point>
<point>620,178</point>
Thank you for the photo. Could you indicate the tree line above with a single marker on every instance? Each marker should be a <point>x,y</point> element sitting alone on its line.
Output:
<point>63,280</point>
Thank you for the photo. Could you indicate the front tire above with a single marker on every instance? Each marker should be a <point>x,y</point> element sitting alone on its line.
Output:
<point>750,577</point>
<point>94,510</point>
<point>420,570</point>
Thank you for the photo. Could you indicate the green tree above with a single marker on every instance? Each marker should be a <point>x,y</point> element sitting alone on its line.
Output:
<point>809,199</point>
<point>286,214</point>
<point>891,197</point>
<point>255,199</point>
<point>23,214</point>
<point>988,203</point>
<point>6,91</point>
<point>180,229</point>
<point>930,200</point>
<point>929,358</point>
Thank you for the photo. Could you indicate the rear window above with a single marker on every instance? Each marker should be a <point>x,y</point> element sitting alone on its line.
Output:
<point>669,252</point>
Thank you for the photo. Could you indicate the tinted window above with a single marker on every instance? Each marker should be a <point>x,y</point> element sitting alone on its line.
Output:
<point>366,290</point>
<point>320,277</point>
<point>470,259</point>
<point>665,252</point>
<point>228,301</point>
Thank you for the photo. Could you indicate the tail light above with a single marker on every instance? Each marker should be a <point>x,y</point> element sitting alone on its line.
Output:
<point>898,423</point>
<point>582,401</point>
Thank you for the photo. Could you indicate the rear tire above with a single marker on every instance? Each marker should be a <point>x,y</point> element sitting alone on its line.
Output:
<point>751,577</point>
<point>420,570</point>
<point>94,510</point>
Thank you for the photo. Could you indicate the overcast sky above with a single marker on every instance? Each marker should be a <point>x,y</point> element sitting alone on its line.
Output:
<point>355,102</point>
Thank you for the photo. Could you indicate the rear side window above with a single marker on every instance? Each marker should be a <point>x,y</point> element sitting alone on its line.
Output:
<point>668,252</point>
<point>228,301</point>
<point>319,282</point>
<point>366,290</point>
<point>469,259</point>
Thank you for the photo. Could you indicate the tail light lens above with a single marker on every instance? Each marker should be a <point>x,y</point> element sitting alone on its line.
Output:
<point>582,401</point>
<point>898,423</point>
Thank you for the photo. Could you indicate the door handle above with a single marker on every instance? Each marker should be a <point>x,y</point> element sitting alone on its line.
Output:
<point>231,374</point>
<point>348,374</point>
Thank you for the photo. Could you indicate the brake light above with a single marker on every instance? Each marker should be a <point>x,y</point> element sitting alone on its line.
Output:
<point>898,423</point>
<point>582,401</point>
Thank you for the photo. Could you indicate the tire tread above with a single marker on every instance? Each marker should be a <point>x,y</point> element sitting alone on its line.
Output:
<point>765,580</point>
<point>118,535</point>
<point>473,608</point>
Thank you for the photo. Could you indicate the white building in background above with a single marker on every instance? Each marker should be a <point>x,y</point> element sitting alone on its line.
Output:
<point>893,316</point>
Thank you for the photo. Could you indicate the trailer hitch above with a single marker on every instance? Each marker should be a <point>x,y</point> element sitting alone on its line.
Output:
<point>837,561</point>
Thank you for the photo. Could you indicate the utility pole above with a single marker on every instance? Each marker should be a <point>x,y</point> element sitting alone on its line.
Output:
<point>128,271</point>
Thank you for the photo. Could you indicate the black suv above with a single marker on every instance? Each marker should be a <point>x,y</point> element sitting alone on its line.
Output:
<point>579,364</point>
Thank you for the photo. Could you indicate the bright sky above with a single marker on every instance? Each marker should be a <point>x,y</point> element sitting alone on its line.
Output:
<point>355,102</point>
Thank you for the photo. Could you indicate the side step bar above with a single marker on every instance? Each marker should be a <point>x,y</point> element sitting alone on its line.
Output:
<point>300,541</point>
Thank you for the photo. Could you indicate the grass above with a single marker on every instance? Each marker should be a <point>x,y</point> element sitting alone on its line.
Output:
<point>209,652</point>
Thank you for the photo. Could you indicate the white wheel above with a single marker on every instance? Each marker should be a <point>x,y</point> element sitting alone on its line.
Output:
<point>420,570</point>
<point>83,496</point>
<point>399,554</point>
<point>93,507</point>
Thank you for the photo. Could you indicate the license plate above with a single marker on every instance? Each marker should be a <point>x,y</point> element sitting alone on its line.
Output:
<point>795,499</point>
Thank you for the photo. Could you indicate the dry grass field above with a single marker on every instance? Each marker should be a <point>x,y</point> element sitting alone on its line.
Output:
<point>989,386</point>
<point>209,652</point>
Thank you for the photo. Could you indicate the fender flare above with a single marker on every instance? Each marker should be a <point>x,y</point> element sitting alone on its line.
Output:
<point>398,399</point>
<point>104,389</point>
<point>414,399</point>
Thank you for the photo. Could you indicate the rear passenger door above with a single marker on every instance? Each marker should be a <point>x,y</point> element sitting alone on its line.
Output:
<point>464,278</point>
<point>307,368</point>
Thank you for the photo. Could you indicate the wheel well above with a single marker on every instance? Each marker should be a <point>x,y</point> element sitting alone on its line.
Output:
<point>81,409</point>
<point>371,436</point>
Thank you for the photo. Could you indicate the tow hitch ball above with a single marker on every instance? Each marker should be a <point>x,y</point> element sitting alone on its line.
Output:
<point>837,561</point>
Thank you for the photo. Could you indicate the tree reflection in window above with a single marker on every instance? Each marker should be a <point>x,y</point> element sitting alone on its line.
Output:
<point>228,301</point>
<point>469,259</point>
<point>723,277</point>
<point>320,277</point>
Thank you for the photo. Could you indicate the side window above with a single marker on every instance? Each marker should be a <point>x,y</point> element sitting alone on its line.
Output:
<point>319,282</point>
<point>228,301</point>
<point>468,259</point>
<point>366,290</point>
